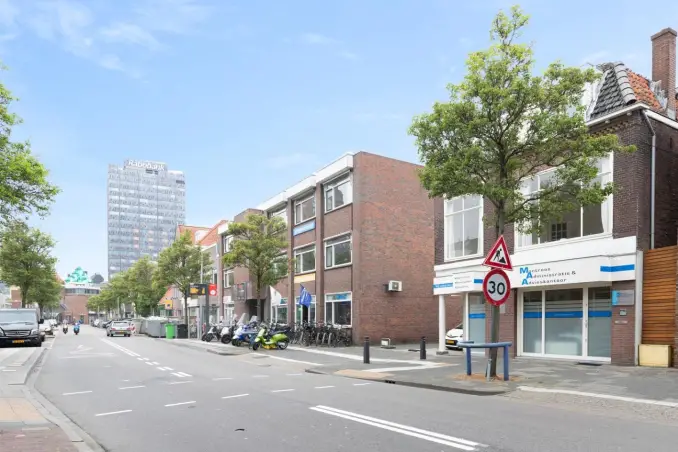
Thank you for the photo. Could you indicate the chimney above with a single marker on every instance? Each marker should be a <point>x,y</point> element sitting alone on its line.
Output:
<point>664,66</point>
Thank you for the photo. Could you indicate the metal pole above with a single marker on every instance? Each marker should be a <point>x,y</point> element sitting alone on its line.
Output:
<point>366,350</point>
<point>422,348</point>
<point>441,326</point>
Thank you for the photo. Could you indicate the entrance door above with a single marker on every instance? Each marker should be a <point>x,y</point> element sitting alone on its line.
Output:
<point>573,322</point>
<point>476,319</point>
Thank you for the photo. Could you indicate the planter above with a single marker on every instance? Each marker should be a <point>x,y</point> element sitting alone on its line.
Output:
<point>655,355</point>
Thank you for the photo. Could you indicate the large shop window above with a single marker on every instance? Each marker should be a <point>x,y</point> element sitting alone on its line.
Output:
<point>338,193</point>
<point>338,251</point>
<point>338,308</point>
<point>585,221</point>
<point>304,259</point>
<point>463,226</point>
<point>304,209</point>
<point>304,313</point>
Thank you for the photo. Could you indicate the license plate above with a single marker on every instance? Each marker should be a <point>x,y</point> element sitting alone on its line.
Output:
<point>18,341</point>
<point>450,342</point>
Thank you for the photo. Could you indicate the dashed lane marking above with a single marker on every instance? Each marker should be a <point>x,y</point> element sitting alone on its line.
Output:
<point>235,396</point>
<point>76,393</point>
<point>180,403</point>
<point>113,412</point>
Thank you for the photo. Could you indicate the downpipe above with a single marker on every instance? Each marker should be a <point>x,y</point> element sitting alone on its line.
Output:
<point>652,177</point>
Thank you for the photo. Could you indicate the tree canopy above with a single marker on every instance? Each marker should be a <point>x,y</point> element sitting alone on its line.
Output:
<point>46,291</point>
<point>24,187</point>
<point>259,244</point>
<point>144,287</point>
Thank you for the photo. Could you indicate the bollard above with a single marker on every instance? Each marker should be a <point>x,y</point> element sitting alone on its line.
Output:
<point>422,348</point>
<point>366,350</point>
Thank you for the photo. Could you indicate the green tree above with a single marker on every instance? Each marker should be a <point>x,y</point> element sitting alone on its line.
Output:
<point>259,245</point>
<point>501,125</point>
<point>182,264</point>
<point>24,188</point>
<point>146,290</point>
<point>46,291</point>
<point>25,257</point>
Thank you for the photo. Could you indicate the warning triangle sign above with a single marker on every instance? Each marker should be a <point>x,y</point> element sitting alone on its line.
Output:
<point>498,257</point>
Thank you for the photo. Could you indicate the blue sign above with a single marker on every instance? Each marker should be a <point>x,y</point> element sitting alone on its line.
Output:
<point>309,226</point>
<point>442,285</point>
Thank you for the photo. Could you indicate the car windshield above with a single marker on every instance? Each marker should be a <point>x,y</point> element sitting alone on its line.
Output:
<point>13,317</point>
<point>119,324</point>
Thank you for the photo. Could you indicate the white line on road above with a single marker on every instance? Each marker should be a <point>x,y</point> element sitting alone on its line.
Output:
<point>9,370</point>
<point>182,374</point>
<point>396,369</point>
<point>149,363</point>
<point>282,390</point>
<point>259,376</point>
<point>235,396</point>
<point>179,382</point>
<point>180,403</point>
<point>76,393</point>
<point>113,412</point>
<point>360,384</point>
<point>446,440</point>
<point>288,359</point>
<point>359,357</point>
<point>132,387</point>
<point>323,387</point>
<point>294,375</point>
<point>600,396</point>
<point>168,368</point>
<point>221,378</point>
<point>140,359</point>
<point>155,363</point>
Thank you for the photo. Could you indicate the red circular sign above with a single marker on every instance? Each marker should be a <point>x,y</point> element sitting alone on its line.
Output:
<point>496,287</point>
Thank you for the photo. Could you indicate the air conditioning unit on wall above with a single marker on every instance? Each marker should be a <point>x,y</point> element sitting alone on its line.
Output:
<point>394,286</point>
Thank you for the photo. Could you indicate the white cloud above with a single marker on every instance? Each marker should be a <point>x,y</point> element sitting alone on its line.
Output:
<point>318,39</point>
<point>128,33</point>
<point>8,13</point>
<point>348,55</point>
<point>288,160</point>
<point>378,117</point>
<point>172,16</point>
<point>595,58</point>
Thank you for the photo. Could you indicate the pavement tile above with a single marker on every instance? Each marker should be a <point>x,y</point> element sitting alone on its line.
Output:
<point>32,439</point>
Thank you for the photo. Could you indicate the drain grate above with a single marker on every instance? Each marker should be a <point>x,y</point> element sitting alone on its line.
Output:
<point>391,382</point>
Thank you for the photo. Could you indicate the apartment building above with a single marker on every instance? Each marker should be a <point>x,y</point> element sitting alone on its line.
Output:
<point>361,232</point>
<point>578,286</point>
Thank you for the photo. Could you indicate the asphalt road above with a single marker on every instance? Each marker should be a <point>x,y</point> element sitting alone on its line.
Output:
<point>141,394</point>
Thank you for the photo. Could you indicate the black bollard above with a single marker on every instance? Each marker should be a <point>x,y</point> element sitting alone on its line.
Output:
<point>366,350</point>
<point>422,348</point>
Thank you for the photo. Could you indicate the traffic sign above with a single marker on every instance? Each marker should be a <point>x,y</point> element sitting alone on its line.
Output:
<point>496,287</point>
<point>213,290</point>
<point>498,257</point>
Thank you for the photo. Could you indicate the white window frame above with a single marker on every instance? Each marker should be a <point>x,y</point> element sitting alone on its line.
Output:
<point>349,239</point>
<point>274,311</point>
<point>610,200</point>
<point>332,185</point>
<point>446,234</point>
<point>327,303</point>
<point>226,273</point>
<point>300,202</point>
<point>281,213</point>
<point>227,241</point>
<point>315,310</point>
<point>303,250</point>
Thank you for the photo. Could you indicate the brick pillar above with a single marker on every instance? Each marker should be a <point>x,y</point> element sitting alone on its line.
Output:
<point>623,329</point>
<point>664,65</point>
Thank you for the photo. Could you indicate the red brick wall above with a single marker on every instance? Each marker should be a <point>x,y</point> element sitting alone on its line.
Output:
<point>623,329</point>
<point>394,240</point>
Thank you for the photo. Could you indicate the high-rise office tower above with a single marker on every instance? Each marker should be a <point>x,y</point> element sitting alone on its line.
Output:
<point>146,202</point>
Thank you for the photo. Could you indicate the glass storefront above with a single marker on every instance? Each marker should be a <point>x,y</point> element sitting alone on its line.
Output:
<point>572,322</point>
<point>476,318</point>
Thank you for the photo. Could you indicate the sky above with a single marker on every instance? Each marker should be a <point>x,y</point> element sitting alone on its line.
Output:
<point>248,97</point>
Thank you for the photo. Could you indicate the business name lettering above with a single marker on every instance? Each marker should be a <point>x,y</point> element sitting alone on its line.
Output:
<point>146,165</point>
<point>543,275</point>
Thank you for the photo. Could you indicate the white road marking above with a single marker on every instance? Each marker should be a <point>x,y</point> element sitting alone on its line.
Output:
<point>76,393</point>
<point>168,368</point>
<point>360,384</point>
<point>149,363</point>
<point>601,396</point>
<point>282,390</point>
<point>396,369</point>
<point>221,378</point>
<point>259,376</point>
<point>235,396</point>
<point>323,387</point>
<point>360,357</point>
<point>155,363</point>
<point>132,387</point>
<point>113,412</point>
<point>438,438</point>
<point>125,380</point>
<point>9,370</point>
<point>180,403</point>
<point>179,382</point>
<point>294,375</point>
<point>121,348</point>
<point>140,359</point>
<point>182,374</point>
<point>289,359</point>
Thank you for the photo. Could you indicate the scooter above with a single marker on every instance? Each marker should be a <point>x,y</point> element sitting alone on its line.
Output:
<point>274,339</point>
<point>76,328</point>
<point>245,333</point>
<point>65,329</point>
<point>227,333</point>
<point>213,332</point>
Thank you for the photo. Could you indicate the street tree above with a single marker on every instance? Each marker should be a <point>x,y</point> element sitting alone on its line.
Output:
<point>259,245</point>
<point>25,257</point>
<point>501,125</point>
<point>145,289</point>
<point>24,187</point>
<point>181,264</point>
<point>46,291</point>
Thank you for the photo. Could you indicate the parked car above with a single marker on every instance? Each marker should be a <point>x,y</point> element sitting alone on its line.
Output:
<point>47,328</point>
<point>20,326</point>
<point>454,336</point>
<point>119,328</point>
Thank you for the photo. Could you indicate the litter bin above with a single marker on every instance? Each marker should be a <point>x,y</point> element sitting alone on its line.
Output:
<point>182,331</point>
<point>169,331</point>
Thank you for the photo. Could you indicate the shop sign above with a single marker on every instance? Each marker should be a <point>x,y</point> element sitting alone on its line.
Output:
<point>572,272</point>
<point>623,297</point>
<point>461,282</point>
<point>308,226</point>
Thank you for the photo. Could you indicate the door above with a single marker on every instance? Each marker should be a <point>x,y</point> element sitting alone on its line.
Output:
<point>476,319</point>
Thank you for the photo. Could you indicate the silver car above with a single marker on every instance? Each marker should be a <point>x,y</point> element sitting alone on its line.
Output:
<point>119,328</point>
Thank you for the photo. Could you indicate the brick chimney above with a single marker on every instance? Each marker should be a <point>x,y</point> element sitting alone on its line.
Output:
<point>664,66</point>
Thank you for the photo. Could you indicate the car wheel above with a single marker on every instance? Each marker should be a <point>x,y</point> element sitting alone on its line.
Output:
<point>39,344</point>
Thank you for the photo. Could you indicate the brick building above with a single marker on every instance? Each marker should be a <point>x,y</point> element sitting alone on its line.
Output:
<point>578,286</point>
<point>354,225</point>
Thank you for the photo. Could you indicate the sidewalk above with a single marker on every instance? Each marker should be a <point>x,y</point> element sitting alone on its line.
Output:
<point>212,347</point>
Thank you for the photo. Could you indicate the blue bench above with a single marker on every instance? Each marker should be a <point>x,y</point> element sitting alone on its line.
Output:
<point>468,345</point>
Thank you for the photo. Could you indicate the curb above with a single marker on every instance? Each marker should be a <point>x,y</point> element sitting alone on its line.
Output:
<point>420,385</point>
<point>80,440</point>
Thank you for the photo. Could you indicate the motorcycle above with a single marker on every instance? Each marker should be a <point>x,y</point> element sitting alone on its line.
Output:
<point>213,332</point>
<point>245,333</point>
<point>76,328</point>
<point>271,339</point>
<point>227,333</point>
<point>65,329</point>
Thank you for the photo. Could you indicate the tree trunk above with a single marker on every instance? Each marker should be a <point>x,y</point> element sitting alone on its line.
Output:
<point>260,308</point>
<point>186,310</point>
<point>23,297</point>
<point>494,334</point>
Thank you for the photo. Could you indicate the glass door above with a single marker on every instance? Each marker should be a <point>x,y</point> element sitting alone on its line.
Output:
<point>476,319</point>
<point>599,328</point>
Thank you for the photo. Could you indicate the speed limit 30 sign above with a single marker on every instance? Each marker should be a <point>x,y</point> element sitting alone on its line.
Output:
<point>496,287</point>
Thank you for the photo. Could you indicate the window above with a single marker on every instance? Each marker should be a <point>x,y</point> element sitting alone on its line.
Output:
<point>283,267</point>
<point>304,260</point>
<point>280,214</point>
<point>279,312</point>
<point>227,242</point>
<point>228,278</point>
<point>304,210</point>
<point>585,221</point>
<point>463,226</point>
<point>305,314</point>
<point>338,193</point>
<point>338,251</point>
<point>338,308</point>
